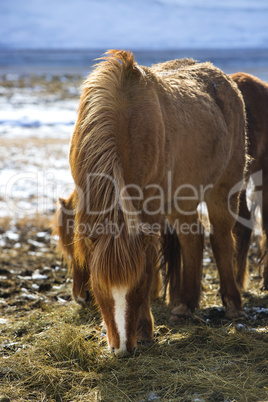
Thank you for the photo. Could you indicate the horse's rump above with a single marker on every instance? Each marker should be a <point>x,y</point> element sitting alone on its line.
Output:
<point>255,95</point>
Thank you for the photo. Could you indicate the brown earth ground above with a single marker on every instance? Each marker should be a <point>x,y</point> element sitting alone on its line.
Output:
<point>53,350</point>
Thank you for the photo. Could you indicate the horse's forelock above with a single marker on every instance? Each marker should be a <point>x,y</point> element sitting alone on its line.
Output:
<point>118,261</point>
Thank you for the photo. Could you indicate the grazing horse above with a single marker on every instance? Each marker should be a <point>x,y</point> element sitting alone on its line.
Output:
<point>255,94</point>
<point>148,144</point>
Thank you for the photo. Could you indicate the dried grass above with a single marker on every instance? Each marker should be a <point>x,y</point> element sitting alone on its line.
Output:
<point>62,357</point>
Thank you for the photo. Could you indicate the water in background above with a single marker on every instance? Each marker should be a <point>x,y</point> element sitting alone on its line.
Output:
<point>253,61</point>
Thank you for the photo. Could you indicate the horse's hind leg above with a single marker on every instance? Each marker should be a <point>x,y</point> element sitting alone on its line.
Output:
<point>242,236</point>
<point>223,246</point>
<point>172,259</point>
<point>265,227</point>
<point>191,242</point>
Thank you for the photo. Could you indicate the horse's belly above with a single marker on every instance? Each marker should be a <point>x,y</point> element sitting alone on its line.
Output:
<point>201,159</point>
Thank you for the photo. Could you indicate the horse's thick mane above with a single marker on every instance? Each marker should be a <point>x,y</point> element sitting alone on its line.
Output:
<point>169,67</point>
<point>98,175</point>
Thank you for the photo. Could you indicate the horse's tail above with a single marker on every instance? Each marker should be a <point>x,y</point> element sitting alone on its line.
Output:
<point>171,253</point>
<point>107,224</point>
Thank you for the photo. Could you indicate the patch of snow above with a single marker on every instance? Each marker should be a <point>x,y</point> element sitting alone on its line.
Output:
<point>257,310</point>
<point>29,296</point>
<point>3,321</point>
<point>26,278</point>
<point>12,236</point>
<point>30,116</point>
<point>61,300</point>
<point>42,234</point>
<point>240,327</point>
<point>36,275</point>
<point>2,241</point>
<point>33,117</point>
<point>35,243</point>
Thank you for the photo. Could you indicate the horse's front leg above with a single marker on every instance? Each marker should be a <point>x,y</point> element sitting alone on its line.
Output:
<point>223,246</point>
<point>242,235</point>
<point>146,322</point>
<point>190,233</point>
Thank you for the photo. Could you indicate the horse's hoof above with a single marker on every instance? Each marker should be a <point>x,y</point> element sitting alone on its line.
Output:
<point>145,342</point>
<point>181,311</point>
<point>232,313</point>
<point>144,337</point>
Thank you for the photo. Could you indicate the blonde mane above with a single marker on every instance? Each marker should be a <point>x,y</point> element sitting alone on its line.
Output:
<point>97,172</point>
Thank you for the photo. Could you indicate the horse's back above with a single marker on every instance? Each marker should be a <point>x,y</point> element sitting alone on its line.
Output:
<point>206,114</point>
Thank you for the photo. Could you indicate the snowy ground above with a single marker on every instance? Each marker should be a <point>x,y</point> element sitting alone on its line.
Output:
<point>35,129</point>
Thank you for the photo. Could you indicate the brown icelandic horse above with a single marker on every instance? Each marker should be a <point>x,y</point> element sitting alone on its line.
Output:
<point>147,145</point>
<point>255,94</point>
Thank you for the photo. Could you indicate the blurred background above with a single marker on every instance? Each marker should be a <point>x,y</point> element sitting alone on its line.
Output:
<point>41,36</point>
<point>48,47</point>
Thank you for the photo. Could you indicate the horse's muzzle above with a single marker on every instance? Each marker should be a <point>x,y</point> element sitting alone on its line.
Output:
<point>122,352</point>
